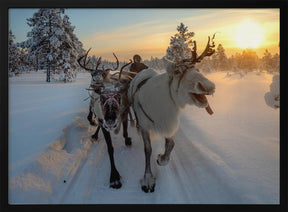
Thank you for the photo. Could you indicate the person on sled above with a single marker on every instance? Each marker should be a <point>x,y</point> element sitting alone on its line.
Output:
<point>136,66</point>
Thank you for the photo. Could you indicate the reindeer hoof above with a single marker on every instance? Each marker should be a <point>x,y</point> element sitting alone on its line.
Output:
<point>148,183</point>
<point>93,123</point>
<point>115,180</point>
<point>95,138</point>
<point>147,189</point>
<point>116,184</point>
<point>128,141</point>
<point>161,161</point>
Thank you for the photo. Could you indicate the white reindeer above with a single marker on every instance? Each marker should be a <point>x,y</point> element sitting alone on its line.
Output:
<point>158,98</point>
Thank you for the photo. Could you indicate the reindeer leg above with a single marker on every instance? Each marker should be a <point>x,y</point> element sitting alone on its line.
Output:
<point>128,141</point>
<point>114,174</point>
<point>90,116</point>
<point>95,136</point>
<point>132,123</point>
<point>90,119</point>
<point>163,159</point>
<point>148,181</point>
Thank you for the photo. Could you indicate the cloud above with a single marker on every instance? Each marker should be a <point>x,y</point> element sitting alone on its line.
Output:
<point>153,37</point>
<point>142,36</point>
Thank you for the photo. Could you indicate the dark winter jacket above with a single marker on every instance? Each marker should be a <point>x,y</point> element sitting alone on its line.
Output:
<point>137,67</point>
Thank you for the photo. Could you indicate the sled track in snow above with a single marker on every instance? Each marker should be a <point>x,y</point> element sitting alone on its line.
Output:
<point>229,158</point>
<point>201,167</point>
<point>75,170</point>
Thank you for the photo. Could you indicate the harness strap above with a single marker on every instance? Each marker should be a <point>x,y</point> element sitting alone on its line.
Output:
<point>181,77</point>
<point>171,97</point>
<point>139,104</point>
<point>111,99</point>
<point>140,85</point>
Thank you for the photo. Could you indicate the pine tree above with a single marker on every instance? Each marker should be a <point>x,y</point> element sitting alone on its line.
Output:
<point>179,44</point>
<point>13,59</point>
<point>248,60</point>
<point>16,56</point>
<point>43,43</point>
<point>267,61</point>
<point>69,50</point>
<point>52,43</point>
<point>220,59</point>
<point>276,62</point>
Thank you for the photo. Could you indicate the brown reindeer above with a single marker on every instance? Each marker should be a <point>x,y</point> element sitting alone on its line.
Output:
<point>110,106</point>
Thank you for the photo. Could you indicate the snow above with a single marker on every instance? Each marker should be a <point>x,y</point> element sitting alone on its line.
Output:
<point>272,97</point>
<point>231,157</point>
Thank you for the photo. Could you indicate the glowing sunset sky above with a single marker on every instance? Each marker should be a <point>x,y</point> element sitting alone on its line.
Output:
<point>148,31</point>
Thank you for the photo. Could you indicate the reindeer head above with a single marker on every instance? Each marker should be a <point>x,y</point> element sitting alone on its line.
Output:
<point>110,101</point>
<point>188,84</point>
<point>98,75</point>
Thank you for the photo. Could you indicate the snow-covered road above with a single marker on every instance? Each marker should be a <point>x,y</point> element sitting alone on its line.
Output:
<point>231,157</point>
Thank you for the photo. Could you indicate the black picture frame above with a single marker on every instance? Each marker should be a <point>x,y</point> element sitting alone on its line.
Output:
<point>281,4</point>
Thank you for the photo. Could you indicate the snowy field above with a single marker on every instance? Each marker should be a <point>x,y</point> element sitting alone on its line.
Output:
<point>231,157</point>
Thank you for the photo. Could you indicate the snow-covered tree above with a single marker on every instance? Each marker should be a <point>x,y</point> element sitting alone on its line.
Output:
<point>270,63</point>
<point>68,51</point>
<point>179,44</point>
<point>13,59</point>
<point>155,63</point>
<point>276,62</point>
<point>272,98</point>
<point>52,43</point>
<point>248,60</point>
<point>220,59</point>
<point>206,66</point>
<point>43,40</point>
<point>266,61</point>
<point>16,56</point>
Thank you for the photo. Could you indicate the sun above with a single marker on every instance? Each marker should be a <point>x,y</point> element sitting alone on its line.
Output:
<point>249,34</point>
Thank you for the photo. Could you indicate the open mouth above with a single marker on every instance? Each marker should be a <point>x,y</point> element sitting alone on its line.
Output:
<point>110,125</point>
<point>201,98</point>
<point>202,101</point>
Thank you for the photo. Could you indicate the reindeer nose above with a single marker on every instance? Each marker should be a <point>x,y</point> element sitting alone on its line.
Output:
<point>206,87</point>
<point>200,87</point>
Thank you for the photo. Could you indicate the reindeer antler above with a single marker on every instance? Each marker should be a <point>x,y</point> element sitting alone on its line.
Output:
<point>117,66</point>
<point>207,52</point>
<point>85,63</point>
<point>124,67</point>
<point>98,62</point>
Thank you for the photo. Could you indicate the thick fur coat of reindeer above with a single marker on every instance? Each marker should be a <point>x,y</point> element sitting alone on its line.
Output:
<point>99,77</point>
<point>157,100</point>
<point>109,105</point>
